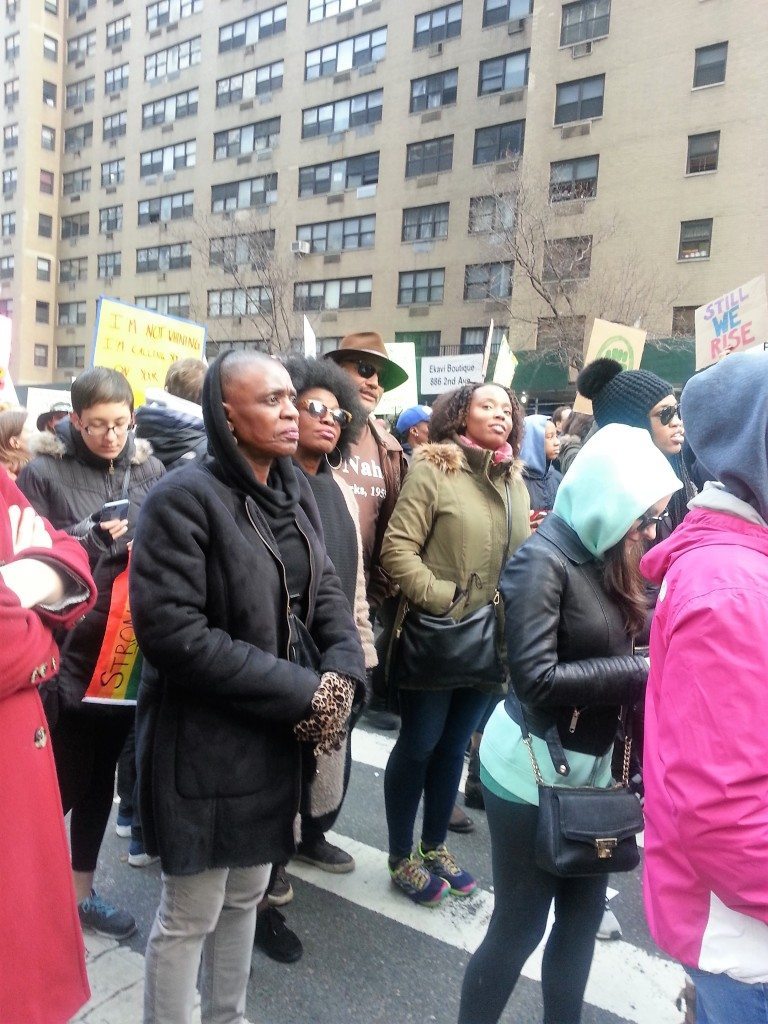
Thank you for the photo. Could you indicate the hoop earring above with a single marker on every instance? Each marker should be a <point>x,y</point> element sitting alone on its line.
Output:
<point>338,464</point>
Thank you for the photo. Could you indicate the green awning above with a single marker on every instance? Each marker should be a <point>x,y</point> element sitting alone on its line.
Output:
<point>537,372</point>
<point>673,359</point>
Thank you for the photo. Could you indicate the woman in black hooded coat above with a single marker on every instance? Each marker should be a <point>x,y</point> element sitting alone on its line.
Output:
<point>229,574</point>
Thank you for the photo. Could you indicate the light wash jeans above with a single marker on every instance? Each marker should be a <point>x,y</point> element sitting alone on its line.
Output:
<point>210,915</point>
<point>723,1000</point>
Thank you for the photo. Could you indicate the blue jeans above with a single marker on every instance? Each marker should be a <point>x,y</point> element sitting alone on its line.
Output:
<point>427,758</point>
<point>723,1000</point>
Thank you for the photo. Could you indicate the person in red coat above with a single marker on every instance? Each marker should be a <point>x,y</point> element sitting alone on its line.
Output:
<point>45,582</point>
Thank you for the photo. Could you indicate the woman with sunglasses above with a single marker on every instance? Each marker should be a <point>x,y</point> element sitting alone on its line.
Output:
<point>574,598</point>
<point>462,510</point>
<point>330,418</point>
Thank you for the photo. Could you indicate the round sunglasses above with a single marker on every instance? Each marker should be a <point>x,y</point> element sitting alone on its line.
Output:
<point>318,410</point>
<point>668,413</point>
<point>366,370</point>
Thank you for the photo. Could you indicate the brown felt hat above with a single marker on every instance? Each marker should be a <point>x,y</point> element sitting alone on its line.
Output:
<point>369,343</point>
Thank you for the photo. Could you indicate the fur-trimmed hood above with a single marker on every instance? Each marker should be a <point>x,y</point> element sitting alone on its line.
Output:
<point>61,445</point>
<point>450,457</point>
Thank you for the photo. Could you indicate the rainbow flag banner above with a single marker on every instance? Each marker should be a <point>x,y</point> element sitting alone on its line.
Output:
<point>118,667</point>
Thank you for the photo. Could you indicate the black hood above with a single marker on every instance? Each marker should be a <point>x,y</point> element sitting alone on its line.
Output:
<point>172,434</point>
<point>280,496</point>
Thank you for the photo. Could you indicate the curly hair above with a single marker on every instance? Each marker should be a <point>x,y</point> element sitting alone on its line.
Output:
<point>449,415</point>
<point>307,374</point>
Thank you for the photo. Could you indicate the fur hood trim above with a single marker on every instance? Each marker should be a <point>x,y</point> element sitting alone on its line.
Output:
<point>45,443</point>
<point>448,457</point>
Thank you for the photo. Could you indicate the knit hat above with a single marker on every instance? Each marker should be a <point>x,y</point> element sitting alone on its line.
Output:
<point>617,475</point>
<point>621,396</point>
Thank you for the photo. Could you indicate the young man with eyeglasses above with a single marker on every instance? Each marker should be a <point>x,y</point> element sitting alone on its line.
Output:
<point>374,469</point>
<point>92,460</point>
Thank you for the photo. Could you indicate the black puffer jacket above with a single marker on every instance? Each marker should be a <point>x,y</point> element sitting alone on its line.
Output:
<point>570,656</point>
<point>219,766</point>
<point>68,484</point>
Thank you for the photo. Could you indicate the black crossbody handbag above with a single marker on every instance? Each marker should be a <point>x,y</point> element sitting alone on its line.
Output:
<point>587,830</point>
<point>460,651</point>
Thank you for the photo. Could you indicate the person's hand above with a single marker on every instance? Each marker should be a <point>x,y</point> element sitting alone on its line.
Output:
<point>114,527</point>
<point>331,706</point>
<point>27,529</point>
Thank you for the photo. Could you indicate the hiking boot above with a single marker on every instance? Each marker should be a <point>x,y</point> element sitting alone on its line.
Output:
<point>101,917</point>
<point>281,890</point>
<point>460,822</point>
<point>609,926</point>
<point>442,864</point>
<point>275,938</point>
<point>326,856</point>
<point>424,888</point>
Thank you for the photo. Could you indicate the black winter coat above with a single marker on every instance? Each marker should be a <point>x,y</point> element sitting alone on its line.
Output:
<point>219,766</point>
<point>68,484</point>
<point>570,657</point>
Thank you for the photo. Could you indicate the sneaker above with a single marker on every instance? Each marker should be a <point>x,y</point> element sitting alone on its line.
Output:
<point>609,926</point>
<point>424,888</point>
<point>442,864</point>
<point>138,856</point>
<point>281,891</point>
<point>123,826</point>
<point>460,822</point>
<point>101,917</point>
<point>275,938</point>
<point>326,856</point>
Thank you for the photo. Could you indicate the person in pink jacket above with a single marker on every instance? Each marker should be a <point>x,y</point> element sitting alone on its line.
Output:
<point>706,727</point>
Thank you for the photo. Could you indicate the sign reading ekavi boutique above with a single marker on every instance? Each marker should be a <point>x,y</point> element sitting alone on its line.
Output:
<point>142,344</point>
<point>735,322</point>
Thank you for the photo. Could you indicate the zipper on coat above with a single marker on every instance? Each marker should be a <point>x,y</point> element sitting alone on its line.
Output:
<point>574,719</point>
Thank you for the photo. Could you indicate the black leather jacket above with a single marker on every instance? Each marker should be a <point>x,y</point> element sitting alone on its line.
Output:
<point>570,657</point>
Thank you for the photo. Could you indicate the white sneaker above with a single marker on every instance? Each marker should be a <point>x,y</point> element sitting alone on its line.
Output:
<point>609,926</point>
<point>141,860</point>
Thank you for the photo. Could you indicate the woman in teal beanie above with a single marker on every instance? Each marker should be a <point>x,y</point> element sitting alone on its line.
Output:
<point>573,600</point>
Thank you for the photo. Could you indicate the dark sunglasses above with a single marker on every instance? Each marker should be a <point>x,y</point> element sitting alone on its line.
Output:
<point>366,370</point>
<point>646,520</point>
<point>318,410</point>
<point>668,413</point>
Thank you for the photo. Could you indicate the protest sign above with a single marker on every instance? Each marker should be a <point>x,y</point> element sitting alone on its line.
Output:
<point>506,364</point>
<point>7,390</point>
<point>612,341</point>
<point>487,349</point>
<point>444,373</point>
<point>404,354</point>
<point>142,344</point>
<point>40,400</point>
<point>310,341</point>
<point>735,322</point>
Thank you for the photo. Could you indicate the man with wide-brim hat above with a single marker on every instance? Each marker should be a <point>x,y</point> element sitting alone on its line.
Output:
<point>47,420</point>
<point>375,466</point>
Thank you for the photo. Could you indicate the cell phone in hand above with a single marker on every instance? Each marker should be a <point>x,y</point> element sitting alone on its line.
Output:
<point>114,510</point>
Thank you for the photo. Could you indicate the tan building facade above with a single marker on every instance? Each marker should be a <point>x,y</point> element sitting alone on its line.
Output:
<point>241,163</point>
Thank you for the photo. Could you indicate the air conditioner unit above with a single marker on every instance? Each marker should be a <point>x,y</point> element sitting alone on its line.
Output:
<point>515,26</point>
<point>572,131</point>
<point>300,247</point>
<point>435,49</point>
<point>581,50</point>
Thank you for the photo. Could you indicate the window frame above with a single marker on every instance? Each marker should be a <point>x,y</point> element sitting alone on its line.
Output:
<point>705,155</point>
<point>699,67</point>
<point>340,115</point>
<point>356,51</point>
<point>438,25</point>
<point>485,274</point>
<point>509,14</point>
<point>419,160</point>
<point>425,223</point>
<point>488,70</point>
<point>434,91</point>
<point>421,287</point>
<point>577,192</point>
<point>332,235</point>
<point>254,27</point>
<point>563,114</point>
<point>334,176</point>
<point>499,130</point>
<point>244,188</point>
<point>695,256</point>
<point>588,29</point>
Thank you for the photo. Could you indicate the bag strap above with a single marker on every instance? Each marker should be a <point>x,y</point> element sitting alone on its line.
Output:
<point>625,718</point>
<point>508,506</point>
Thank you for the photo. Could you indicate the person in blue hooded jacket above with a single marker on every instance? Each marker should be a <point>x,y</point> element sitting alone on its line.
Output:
<point>541,446</point>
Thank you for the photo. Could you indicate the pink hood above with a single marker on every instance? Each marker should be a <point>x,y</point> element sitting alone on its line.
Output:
<point>706,745</point>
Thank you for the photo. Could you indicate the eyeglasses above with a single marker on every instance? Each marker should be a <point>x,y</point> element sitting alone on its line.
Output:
<point>646,520</point>
<point>318,410</point>
<point>118,429</point>
<point>668,413</point>
<point>365,369</point>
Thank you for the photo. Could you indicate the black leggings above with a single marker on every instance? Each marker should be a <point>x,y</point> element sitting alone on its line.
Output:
<point>523,895</point>
<point>87,741</point>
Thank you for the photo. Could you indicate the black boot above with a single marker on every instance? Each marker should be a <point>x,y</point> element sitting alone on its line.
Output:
<point>473,790</point>
<point>275,938</point>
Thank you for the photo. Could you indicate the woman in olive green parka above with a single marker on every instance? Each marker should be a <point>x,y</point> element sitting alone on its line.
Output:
<point>447,541</point>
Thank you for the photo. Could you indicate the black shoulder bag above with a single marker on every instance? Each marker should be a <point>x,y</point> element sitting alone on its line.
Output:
<point>458,651</point>
<point>587,830</point>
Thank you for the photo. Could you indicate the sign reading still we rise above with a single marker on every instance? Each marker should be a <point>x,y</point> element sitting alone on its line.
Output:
<point>734,322</point>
